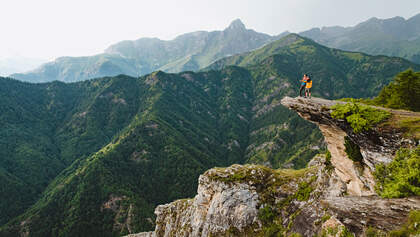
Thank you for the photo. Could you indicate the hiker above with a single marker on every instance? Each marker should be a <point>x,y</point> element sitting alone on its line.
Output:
<point>308,87</point>
<point>303,84</point>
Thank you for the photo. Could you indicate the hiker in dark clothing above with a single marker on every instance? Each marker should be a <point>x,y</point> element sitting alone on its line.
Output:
<point>303,84</point>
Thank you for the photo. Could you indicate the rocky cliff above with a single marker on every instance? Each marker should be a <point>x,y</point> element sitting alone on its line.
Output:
<point>333,196</point>
<point>377,145</point>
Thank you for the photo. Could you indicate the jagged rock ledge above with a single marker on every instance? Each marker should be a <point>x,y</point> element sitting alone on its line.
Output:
<point>229,200</point>
<point>378,145</point>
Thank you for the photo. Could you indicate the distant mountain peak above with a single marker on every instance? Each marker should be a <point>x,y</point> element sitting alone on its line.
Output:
<point>293,37</point>
<point>236,25</point>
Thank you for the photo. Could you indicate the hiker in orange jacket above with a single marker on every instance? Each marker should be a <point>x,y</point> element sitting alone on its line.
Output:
<point>308,87</point>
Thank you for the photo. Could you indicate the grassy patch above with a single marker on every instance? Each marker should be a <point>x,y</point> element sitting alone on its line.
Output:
<point>400,178</point>
<point>402,93</point>
<point>360,117</point>
<point>410,126</point>
<point>365,101</point>
<point>411,228</point>
<point>304,191</point>
<point>295,235</point>
<point>325,218</point>
<point>373,232</point>
<point>328,163</point>
<point>341,231</point>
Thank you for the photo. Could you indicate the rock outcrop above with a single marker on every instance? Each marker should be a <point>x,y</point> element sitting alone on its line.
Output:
<point>378,145</point>
<point>331,194</point>
<point>243,200</point>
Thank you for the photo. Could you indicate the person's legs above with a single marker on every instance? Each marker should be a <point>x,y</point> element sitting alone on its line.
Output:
<point>308,92</point>
<point>301,89</point>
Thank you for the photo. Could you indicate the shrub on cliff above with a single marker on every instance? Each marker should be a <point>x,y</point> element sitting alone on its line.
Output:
<point>400,178</point>
<point>402,93</point>
<point>360,117</point>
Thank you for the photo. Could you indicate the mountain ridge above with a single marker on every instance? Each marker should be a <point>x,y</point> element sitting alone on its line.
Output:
<point>190,51</point>
<point>196,50</point>
<point>394,36</point>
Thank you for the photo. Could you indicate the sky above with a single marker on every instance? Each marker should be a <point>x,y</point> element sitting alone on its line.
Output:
<point>48,29</point>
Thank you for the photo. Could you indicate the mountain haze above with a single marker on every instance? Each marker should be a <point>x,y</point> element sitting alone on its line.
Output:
<point>18,64</point>
<point>193,51</point>
<point>393,37</point>
<point>190,51</point>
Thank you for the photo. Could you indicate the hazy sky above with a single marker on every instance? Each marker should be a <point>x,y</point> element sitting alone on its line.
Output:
<point>52,28</point>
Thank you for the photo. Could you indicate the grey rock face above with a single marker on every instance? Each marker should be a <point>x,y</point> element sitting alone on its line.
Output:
<point>217,207</point>
<point>358,212</point>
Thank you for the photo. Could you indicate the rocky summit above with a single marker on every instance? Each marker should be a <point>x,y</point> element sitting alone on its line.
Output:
<point>333,196</point>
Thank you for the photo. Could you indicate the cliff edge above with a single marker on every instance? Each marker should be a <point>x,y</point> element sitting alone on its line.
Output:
<point>377,145</point>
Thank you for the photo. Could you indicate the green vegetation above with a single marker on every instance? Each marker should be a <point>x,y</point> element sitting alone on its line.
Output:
<point>410,228</point>
<point>373,232</point>
<point>325,218</point>
<point>402,93</point>
<point>353,150</point>
<point>400,178</point>
<point>360,117</point>
<point>266,214</point>
<point>148,145</point>
<point>341,230</point>
<point>328,163</point>
<point>295,235</point>
<point>45,127</point>
<point>304,191</point>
